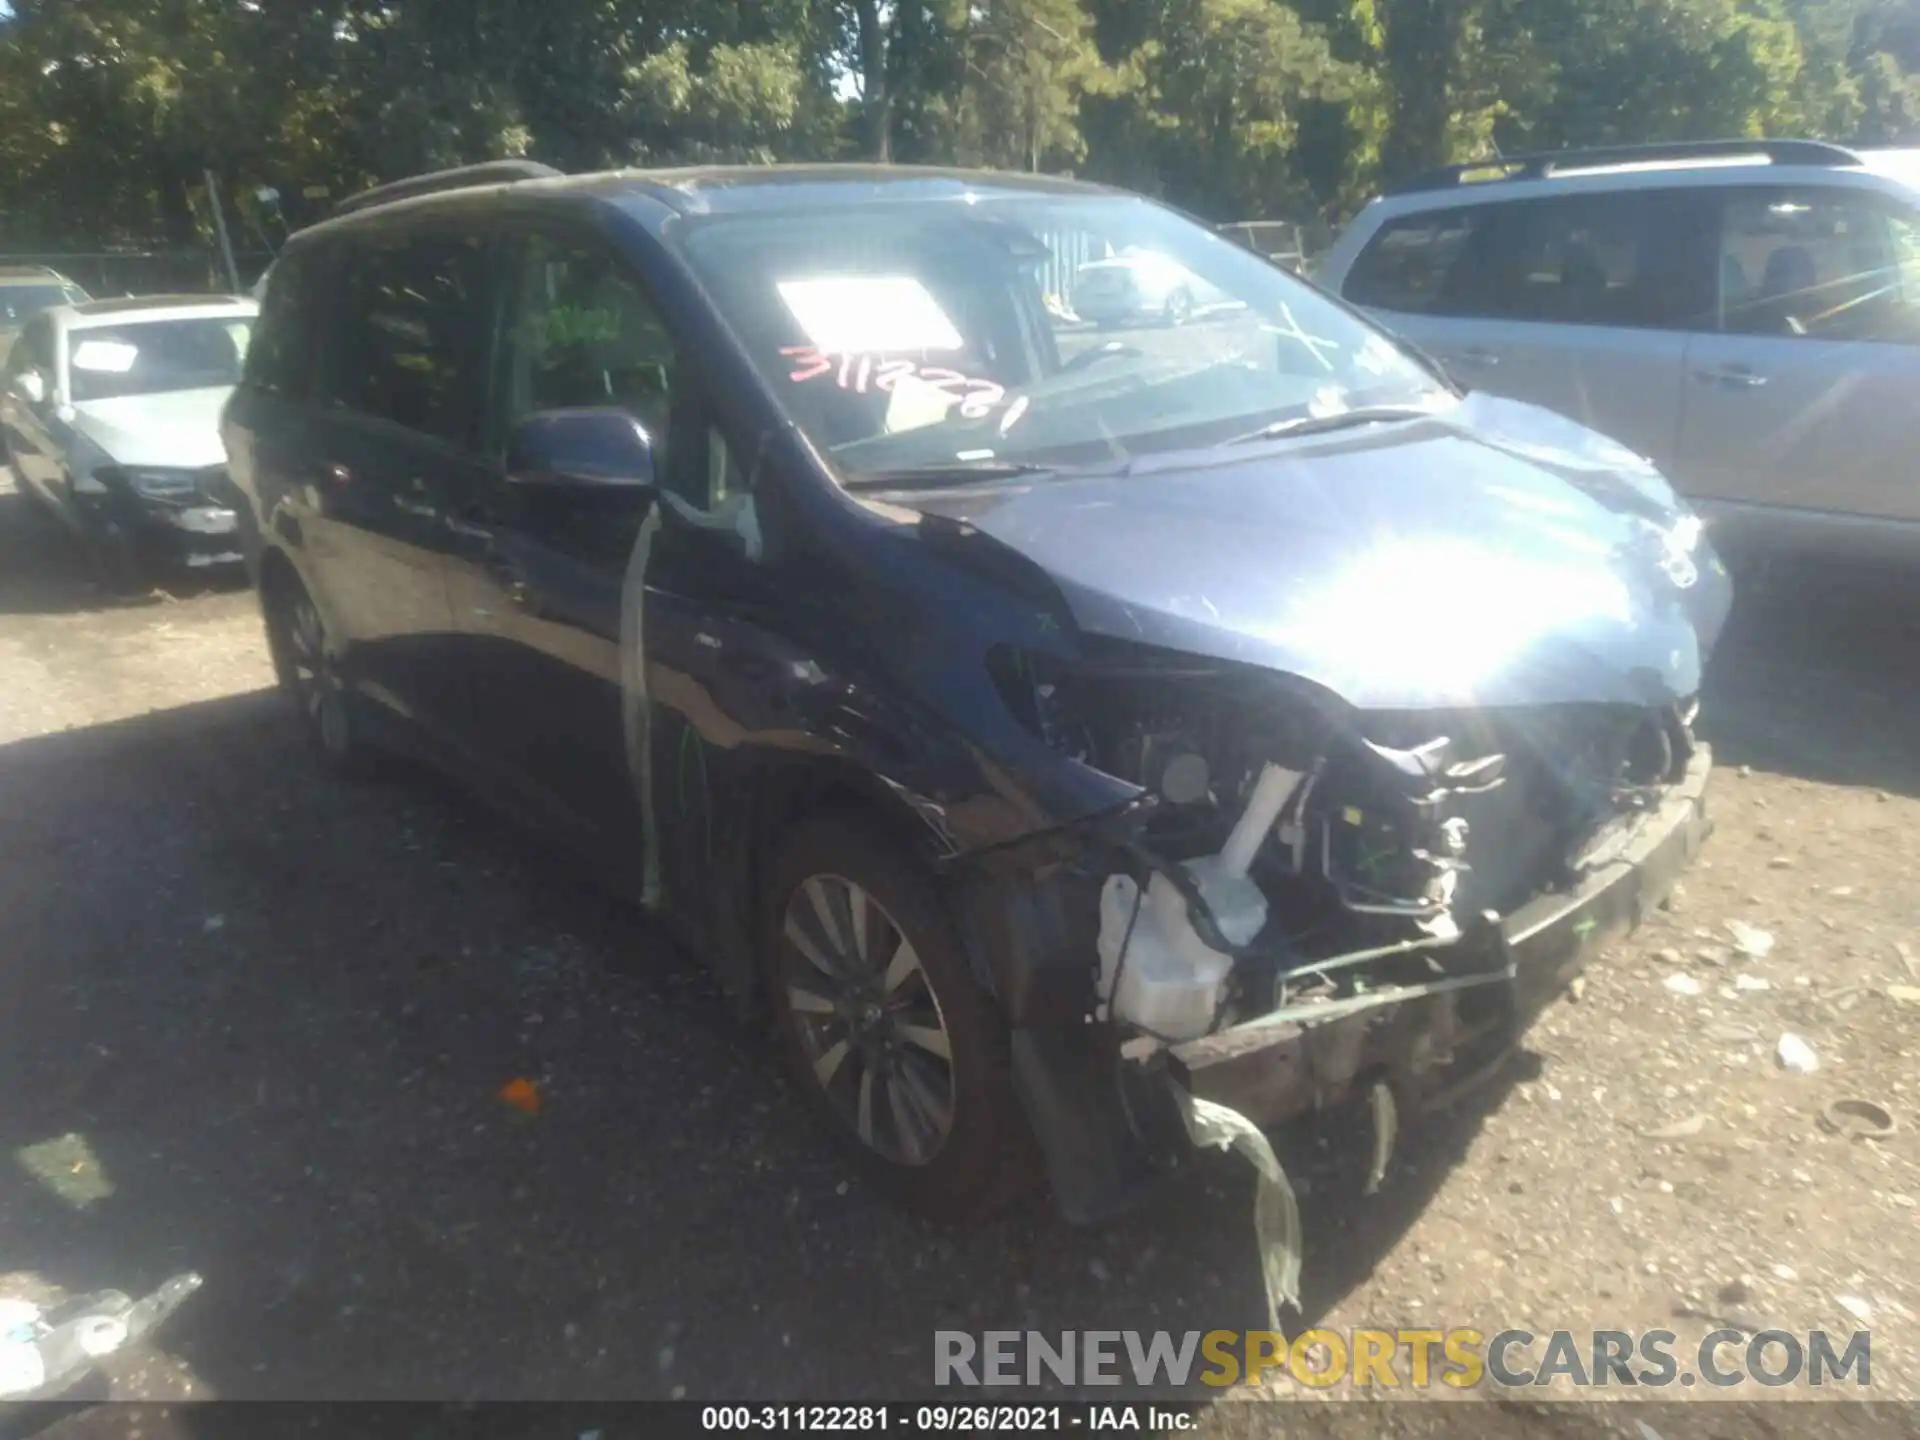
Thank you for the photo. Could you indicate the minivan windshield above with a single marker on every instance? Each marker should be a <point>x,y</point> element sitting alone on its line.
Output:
<point>1032,329</point>
<point>155,356</point>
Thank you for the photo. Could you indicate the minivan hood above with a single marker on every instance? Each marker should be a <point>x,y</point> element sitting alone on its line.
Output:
<point>1496,554</point>
<point>176,429</point>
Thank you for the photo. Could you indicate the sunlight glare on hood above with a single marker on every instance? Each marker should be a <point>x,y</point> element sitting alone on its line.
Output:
<point>1448,614</point>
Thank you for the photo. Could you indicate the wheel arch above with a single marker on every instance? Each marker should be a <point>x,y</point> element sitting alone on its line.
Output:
<point>777,799</point>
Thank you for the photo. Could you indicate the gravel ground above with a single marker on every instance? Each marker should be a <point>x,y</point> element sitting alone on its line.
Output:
<point>255,1025</point>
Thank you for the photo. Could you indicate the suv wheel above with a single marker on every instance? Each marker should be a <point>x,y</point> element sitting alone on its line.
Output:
<point>1179,308</point>
<point>904,1054</point>
<point>303,657</point>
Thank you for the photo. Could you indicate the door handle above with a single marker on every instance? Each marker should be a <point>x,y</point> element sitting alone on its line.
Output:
<point>468,528</point>
<point>422,508</point>
<point>1731,377</point>
<point>1477,357</point>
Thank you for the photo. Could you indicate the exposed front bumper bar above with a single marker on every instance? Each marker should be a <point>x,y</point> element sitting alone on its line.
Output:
<point>1430,1040</point>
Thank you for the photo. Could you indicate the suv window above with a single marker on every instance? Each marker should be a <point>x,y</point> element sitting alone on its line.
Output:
<point>412,347</point>
<point>283,336</point>
<point>1821,264</point>
<point>1405,265</point>
<point>585,333</point>
<point>1590,259</point>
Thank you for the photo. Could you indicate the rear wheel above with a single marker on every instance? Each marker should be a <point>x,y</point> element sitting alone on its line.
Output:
<point>903,1053</point>
<point>304,658</point>
<point>1179,308</point>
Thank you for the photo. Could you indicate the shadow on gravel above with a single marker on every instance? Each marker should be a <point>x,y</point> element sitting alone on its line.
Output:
<point>1818,676</point>
<point>41,569</point>
<point>266,1020</point>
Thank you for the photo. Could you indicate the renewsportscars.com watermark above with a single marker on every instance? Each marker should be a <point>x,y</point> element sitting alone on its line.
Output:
<point>1460,1359</point>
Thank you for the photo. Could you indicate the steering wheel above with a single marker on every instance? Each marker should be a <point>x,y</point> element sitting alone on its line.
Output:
<point>1098,353</point>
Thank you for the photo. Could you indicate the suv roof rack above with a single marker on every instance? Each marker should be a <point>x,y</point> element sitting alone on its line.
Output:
<point>462,177</point>
<point>20,272</point>
<point>1546,164</point>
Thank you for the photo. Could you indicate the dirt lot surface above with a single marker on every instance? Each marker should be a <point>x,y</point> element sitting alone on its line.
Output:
<point>255,1024</point>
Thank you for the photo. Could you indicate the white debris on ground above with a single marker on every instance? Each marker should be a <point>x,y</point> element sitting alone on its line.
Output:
<point>1796,1054</point>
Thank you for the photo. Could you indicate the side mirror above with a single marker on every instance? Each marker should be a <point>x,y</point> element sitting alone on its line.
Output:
<point>30,387</point>
<point>598,449</point>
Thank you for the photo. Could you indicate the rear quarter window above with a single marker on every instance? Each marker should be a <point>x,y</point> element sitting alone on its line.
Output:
<point>284,337</point>
<point>1405,265</point>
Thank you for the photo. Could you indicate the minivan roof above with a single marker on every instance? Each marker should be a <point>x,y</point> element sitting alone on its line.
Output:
<point>703,189</point>
<point>775,187</point>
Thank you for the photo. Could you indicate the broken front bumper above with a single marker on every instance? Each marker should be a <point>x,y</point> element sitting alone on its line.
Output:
<point>1431,1042</point>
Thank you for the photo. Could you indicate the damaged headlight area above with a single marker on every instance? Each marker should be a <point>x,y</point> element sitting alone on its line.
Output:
<point>1286,843</point>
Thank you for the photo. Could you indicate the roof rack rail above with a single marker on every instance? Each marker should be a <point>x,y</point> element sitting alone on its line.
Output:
<point>462,177</point>
<point>1546,164</point>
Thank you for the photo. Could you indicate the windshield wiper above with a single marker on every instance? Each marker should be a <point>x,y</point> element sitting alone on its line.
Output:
<point>1341,420</point>
<point>946,472</point>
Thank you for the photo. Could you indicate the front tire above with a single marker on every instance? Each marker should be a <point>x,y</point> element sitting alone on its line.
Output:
<point>308,669</point>
<point>901,1051</point>
<point>118,567</point>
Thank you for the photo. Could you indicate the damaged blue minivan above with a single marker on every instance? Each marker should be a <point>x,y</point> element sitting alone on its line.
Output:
<point>1040,719</point>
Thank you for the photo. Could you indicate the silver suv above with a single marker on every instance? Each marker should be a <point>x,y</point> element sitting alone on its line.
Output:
<point>1745,314</point>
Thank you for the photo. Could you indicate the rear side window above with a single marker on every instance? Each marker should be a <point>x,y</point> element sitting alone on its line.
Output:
<point>412,345</point>
<point>1406,264</point>
<point>1637,260</point>
<point>1820,264</point>
<point>285,336</point>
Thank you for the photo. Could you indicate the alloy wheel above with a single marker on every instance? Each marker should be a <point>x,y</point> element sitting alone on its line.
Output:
<point>868,1019</point>
<point>316,686</point>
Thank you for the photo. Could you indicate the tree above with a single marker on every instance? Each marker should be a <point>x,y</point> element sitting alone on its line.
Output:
<point>1028,64</point>
<point>111,110</point>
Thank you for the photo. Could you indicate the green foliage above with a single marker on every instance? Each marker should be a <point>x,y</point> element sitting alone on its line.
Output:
<point>111,111</point>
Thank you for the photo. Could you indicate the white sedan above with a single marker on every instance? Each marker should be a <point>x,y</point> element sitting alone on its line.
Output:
<point>110,417</point>
<point>1138,287</point>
